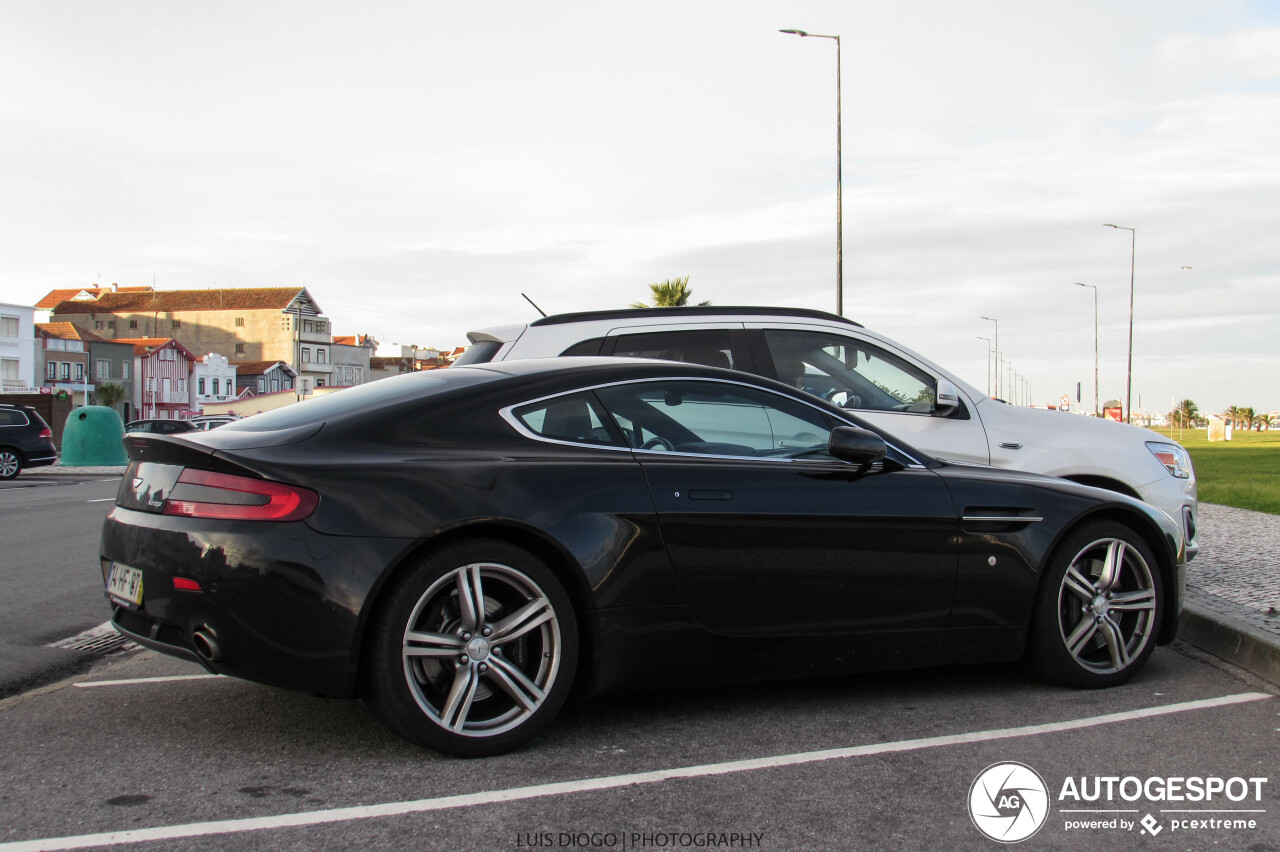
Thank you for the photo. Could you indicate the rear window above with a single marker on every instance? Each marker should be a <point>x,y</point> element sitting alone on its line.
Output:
<point>360,397</point>
<point>478,353</point>
<point>12,417</point>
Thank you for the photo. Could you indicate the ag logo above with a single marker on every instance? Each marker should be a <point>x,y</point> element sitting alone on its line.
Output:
<point>1008,802</point>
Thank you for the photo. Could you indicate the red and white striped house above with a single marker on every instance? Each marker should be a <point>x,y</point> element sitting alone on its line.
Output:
<point>161,371</point>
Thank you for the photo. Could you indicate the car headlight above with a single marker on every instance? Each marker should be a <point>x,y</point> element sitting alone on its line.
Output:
<point>1175,459</point>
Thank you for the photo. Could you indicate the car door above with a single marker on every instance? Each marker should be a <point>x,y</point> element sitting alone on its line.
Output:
<point>766,532</point>
<point>886,388</point>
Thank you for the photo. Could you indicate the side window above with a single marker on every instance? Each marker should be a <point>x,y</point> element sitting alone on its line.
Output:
<point>716,418</point>
<point>585,347</point>
<point>575,418</point>
<point>849,372</point>
<point>711,347</point>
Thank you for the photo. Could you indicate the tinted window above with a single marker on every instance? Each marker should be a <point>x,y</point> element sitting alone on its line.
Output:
<point>10,417</point>
<point>576,418</point>
<point>710,347</point>
<point>716,418</point>
<point>849,372</point>
<point>586,347</point>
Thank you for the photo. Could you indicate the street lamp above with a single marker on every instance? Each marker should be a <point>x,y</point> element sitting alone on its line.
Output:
<point>997,337</point>
<point>839,160</point>
<point>1096,410</point>
<point>1133,256</point>
<point>1007,374</point>
<point>988,339</point>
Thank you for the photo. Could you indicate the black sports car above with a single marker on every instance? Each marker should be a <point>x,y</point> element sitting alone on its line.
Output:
<point>465,547</point>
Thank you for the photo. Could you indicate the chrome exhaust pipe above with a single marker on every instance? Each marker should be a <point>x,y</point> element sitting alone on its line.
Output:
<point>206,642</point>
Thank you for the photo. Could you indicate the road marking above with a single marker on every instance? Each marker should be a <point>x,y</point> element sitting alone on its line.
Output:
<point>294,820</point>
<point>145,680</point>
<point>100,500</point>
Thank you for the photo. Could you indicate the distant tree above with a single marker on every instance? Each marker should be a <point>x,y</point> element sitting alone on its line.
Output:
<point>671,293</point>
<point>109,393</point>
<point>1186,415</point>
<point>1232,415</point>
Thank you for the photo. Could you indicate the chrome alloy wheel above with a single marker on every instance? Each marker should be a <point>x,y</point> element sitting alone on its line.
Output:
<point>482,649</point>
<point>10,464</point>
<point>1107,606</point>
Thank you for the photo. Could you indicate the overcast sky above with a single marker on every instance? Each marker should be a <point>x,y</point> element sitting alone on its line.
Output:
<point>418,165</point>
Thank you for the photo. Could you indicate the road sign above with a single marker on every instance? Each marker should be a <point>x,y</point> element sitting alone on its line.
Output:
<point>1066,402</point>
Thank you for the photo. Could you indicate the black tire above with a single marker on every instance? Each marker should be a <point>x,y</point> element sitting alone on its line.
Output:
<point>1098,609</point>
<point>10,463</point>
<point>476,680</point>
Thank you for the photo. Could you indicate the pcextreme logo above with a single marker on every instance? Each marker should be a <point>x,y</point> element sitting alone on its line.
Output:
<point>1009,802</point>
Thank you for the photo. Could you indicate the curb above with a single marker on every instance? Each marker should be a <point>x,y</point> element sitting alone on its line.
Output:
<point>1240,644</point>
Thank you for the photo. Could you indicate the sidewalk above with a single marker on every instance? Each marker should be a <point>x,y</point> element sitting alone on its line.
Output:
<point>1233,587</point>
<point>1233,590</point>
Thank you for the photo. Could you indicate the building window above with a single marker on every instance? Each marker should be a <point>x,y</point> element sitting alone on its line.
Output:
<point>200,386</point>
<point>98,325</point>
<point>321,354</point>
<point>239,348</point>
<point>79,372</point>
<point>133,323</point>
<point>239,322</point>
<point>8,326</point>
<point>215,387</point>
<point>306,325</point>
<point>262,385</point>
<point>124,370</point>
<point>104,369</point>
<point>182,386</point>
<point>285,322</point>
<point>64,370</point>
<point>9,369</point>
<point>177,323</point>
<point>51,370</point>
<point>321,327</point>
<point>306,354</point>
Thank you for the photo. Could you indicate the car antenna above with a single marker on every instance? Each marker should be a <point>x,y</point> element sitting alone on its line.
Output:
<point>535,306</point>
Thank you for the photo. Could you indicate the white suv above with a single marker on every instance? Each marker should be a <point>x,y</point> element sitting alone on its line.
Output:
<point>888,385</point>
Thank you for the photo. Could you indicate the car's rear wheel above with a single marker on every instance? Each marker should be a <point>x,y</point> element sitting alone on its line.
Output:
<point>10,463</point>
<point>1098,609</point>
<point>473,651</point>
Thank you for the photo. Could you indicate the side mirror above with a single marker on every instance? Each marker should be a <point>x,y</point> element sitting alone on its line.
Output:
<point>857,446</point>
<point>948,399</point>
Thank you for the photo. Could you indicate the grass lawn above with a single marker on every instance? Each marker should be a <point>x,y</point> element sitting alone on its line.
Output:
<point>1243,472</point>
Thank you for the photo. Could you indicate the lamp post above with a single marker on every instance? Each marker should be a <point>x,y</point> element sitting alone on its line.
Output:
<point>1004,385</point>
<point>997,348</point>
<point>988,339</point>
<point>1096,410</point>
<point>1133,256</point>
<point>839,182</point>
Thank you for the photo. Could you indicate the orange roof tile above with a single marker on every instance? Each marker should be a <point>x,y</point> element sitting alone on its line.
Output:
<point>240,298</point>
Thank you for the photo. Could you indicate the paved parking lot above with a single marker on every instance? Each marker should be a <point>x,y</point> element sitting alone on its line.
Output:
<point>115,757</point>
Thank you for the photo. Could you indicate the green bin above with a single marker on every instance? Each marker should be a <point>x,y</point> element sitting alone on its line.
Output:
<point>93,437</point>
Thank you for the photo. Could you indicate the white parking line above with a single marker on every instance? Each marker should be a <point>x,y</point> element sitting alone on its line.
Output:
<point>100,500</point>
<point>93,683</point>
<point>205,829</point>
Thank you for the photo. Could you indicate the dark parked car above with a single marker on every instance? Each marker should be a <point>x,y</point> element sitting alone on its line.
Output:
<point>25,440</point>
<point>464,547</point>
<point>160,427</point>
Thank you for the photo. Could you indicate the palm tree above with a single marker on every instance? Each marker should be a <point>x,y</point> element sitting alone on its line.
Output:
<point>109,393</point>
<point>671,293</point>
<point>1186,414</point>
<point>1233,414</point>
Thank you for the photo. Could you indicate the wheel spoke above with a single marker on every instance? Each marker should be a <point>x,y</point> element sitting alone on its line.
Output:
<point>1143,600</point>
<point>1081,636</point>
<point>1112,564</point>
<point>458,704</point>
<point>513,682</point>
<point>1078,584</point>
<point>418,643</point>
<point>471,598</point>
<point>1116,646</point>
<point>521,621</point>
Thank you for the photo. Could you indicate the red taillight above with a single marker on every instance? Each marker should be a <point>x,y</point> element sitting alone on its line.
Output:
<point>46,432</point>
<point>186,584</point>
<point>245,499</point>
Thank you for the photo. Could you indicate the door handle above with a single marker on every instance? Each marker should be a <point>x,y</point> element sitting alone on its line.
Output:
<point>710,495</point>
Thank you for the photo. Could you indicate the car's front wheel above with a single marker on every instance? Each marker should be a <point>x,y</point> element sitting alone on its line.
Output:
<point>10,463</point>
<point>1098,608</point>
<point>473,651</point>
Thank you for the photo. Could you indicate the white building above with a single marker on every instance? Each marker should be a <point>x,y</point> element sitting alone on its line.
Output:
<point>17,347</point>
<point>213,379</point>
